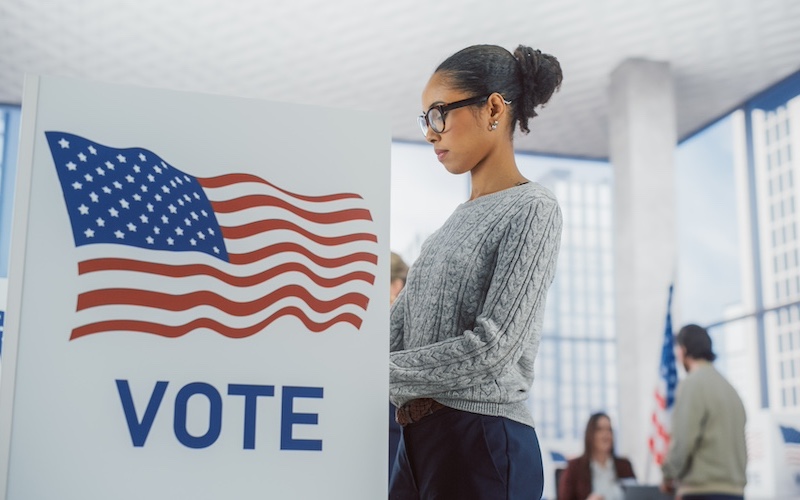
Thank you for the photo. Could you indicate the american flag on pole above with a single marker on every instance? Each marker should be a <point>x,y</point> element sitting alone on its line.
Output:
<point>664,393</point>
<point>162,252</point>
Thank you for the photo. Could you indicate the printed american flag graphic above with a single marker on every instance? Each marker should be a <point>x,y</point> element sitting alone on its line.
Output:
<point>664,393</point>
<point>165,253</point>
<point>791,443</point>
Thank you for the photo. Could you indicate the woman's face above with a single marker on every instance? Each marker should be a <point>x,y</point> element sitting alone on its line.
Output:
<point>603,436</point>
<point>466,140</point>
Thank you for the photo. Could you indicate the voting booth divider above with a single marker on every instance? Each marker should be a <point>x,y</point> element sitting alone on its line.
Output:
<point>198,298</point>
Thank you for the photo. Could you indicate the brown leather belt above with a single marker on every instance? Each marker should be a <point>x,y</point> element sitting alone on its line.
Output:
<point>415,410</point>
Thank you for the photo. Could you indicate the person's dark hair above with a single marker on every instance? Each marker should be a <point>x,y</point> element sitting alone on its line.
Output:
<point>696,341</point>
<point>588,437</point>
<point>528,78</point>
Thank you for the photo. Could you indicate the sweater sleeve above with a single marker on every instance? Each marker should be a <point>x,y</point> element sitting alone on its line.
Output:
<point>686,430</point>
<point>524,269</point>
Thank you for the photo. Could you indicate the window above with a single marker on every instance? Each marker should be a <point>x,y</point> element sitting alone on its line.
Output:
<point>9,128</point>
<point>571,382</point>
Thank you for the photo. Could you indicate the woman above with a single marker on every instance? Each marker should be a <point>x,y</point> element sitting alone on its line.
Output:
<point>597,474</point>
<point>465,329</point>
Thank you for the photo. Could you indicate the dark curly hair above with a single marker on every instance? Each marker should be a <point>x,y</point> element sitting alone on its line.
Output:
<point>527,78</point>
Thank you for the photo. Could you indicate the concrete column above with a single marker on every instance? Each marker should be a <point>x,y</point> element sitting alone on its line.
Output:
<point>642,139</point>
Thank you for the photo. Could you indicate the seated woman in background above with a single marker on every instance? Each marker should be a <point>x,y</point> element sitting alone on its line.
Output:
<point>596,474</point>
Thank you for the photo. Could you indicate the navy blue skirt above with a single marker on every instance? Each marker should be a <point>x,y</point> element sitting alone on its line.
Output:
<point>453,454</point>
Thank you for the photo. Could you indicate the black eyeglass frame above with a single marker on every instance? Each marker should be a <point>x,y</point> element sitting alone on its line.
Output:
<point>443,109</point>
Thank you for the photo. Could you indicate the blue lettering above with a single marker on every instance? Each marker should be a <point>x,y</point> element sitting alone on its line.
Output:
<point>250,393</point>
<point>140,429</point>
<point>289,418</point>
<point>214,417</point>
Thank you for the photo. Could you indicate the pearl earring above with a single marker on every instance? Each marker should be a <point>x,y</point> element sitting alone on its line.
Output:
<point>494,126</point>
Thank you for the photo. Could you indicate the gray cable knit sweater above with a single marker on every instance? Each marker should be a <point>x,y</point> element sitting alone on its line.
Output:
<point>465,329</point>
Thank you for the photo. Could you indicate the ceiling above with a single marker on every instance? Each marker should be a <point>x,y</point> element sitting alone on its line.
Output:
<point>377,55</point>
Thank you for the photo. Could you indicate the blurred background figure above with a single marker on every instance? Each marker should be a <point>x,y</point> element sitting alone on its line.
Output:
<point>707,454</point>
<point>598,473</point>
<point>399,270</point>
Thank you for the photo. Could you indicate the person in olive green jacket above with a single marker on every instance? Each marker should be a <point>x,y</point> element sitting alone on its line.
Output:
<point>707,455</point>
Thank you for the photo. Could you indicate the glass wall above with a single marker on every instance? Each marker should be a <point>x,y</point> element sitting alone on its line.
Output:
<point>9,137</point>
<point>9,134</point>
<point>576,366</point>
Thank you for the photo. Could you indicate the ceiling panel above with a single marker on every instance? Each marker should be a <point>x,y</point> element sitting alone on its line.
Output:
<point>378,55</point>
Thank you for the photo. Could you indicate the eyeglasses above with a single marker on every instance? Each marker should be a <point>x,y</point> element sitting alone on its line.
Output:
<point>434,117</point>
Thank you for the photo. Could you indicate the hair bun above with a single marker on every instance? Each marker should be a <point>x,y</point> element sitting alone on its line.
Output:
<point>541,76</point>
<point>527,77</point>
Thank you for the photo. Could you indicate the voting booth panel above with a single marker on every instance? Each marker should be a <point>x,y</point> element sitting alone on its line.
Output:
<point>198,298</point>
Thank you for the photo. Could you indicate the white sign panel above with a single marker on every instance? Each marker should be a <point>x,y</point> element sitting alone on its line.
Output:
<point>198,300</point>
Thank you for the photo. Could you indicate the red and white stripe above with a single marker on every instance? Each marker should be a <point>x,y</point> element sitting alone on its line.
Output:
<point>660,420</point>
<point>309,258</point>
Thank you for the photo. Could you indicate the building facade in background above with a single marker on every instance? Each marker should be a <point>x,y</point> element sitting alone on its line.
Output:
<point>776,136</point>
<point>767,142</point>
<point>9,133</point>
<point>576,372</point>
<point>760,337</point>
